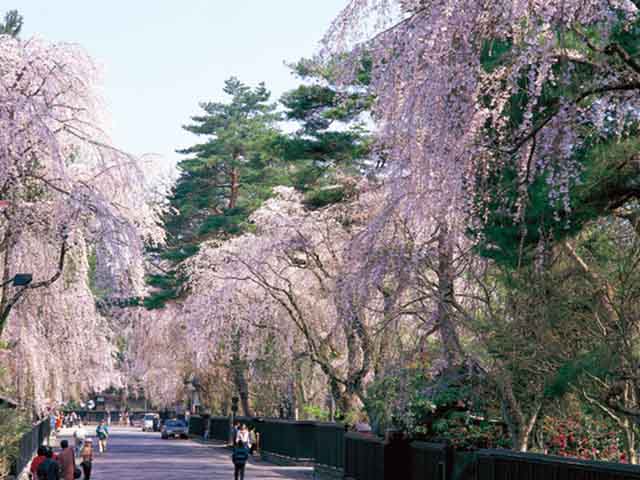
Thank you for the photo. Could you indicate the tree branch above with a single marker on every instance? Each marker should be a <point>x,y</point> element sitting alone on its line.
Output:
<point>11,302</point>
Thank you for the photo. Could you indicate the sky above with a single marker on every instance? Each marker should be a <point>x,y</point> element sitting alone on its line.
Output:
<point>160,58</point>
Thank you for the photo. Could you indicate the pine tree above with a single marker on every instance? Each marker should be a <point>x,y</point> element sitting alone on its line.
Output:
<point>244,155</point>
<point>12,25</point>
<point>332,137</point>
<point>224,178</point>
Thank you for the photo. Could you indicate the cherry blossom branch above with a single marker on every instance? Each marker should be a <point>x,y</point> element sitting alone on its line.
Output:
<point>13,300</point>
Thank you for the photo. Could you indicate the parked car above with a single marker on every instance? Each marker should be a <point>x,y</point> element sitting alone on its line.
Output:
<point>150,422</point>
<point>174,428</point>
<point>137,419</point>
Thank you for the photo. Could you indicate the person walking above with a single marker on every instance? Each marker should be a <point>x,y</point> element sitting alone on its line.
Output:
<point>79,434</point>
<point>35,463</point>
<point>67,461</point>
<point>102,432</point>
<point>235,430</point>
<point>239,458</point>
<point>87,458</point>
<point>52,427</point>
<point>253,440</point>
<point>49,468</point>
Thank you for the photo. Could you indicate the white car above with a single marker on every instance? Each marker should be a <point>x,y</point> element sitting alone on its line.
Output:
<point>150,422</point>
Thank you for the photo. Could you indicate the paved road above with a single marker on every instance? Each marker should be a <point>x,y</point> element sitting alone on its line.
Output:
<point>134,455</point>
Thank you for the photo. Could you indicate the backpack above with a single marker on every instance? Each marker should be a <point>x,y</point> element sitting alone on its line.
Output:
<point>44,468</point>
<point>240,456</point>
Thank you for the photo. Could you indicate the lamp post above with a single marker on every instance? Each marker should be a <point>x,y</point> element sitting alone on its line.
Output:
<point>19,280</point>
<point>190,389</point>
<point>234,410</point>
<point>192,385</point>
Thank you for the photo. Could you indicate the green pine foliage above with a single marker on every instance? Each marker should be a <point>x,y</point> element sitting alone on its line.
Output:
<point>333,137</point>
<point>223,179</point>
<point>12,24</point>
<point>243,155</point>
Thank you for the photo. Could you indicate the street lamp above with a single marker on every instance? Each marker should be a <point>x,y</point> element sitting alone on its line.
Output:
<point>234,410</point>
<point>19,280</point>
<point>192,385</point>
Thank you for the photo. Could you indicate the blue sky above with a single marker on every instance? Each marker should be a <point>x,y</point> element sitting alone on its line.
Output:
<point>161,57</point>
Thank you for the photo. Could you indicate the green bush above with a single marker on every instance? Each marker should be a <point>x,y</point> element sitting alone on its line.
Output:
<point>313,412</point>
<point>323,197</point>
<point>12,427</point>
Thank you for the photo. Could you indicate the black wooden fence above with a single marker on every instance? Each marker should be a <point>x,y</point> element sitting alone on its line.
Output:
<point>218,428</point>
<point>295,440</point>
<point>367,457</point>
<point>430,460</point>
<point>329,445</point>
<point>364,457</point>
<point>503,464</point>
<point>29,444</point>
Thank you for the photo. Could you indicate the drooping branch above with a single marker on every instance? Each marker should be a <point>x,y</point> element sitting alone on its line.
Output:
<point>11,301</point>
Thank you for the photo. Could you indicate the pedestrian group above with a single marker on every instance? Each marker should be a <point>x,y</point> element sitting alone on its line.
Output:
<point>47,465</point>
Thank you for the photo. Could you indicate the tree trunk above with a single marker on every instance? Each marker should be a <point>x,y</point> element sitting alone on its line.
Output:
<point>630,442</point>
<point>520,427</point>
<point>345,400</point>
<point>238,366</point>
<point>242,387</point>
<point>384,345</point>
<point>348,403</point>
<point>235,188</point>
<point>331,404</point>
<point>445,321</point>
<point>4,278</point>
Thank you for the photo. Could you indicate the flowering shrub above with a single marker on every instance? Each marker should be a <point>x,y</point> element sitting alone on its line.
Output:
<point>466,432</point>
<point>587,438</point>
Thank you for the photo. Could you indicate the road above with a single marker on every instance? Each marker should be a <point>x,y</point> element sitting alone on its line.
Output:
<point>134,455</point>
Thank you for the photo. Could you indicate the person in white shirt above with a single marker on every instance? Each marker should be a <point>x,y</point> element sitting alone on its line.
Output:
<point>243,436</point>
<point>79,434</point>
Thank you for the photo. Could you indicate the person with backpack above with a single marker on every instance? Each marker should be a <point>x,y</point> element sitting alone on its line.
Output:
<point>49,468</point>
<point>35,463</point>
<point>239,458</point>
<point>102,432</point>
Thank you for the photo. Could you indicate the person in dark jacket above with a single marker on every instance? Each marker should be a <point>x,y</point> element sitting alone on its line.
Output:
<point>49,468</point>
<point>239,458</point>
